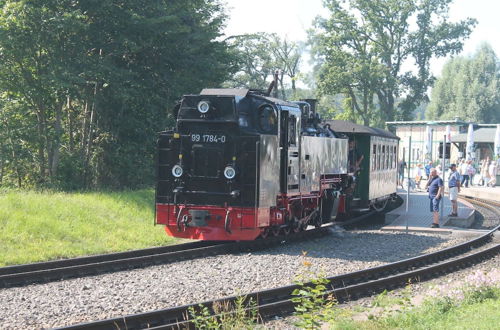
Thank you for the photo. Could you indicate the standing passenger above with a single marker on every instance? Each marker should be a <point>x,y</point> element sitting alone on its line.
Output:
<point>428,169</point>
<point>418,176</point>
<point>454,186</point>
<point>485,176</point>
<point>462,170</point>
<point>436,189</point>
<point>471,171</point>
<point>492,170</point>
<point>401,172</point>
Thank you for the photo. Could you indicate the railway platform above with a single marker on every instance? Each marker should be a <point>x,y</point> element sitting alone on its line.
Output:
<point>492,193</point>
<point>419,217</point>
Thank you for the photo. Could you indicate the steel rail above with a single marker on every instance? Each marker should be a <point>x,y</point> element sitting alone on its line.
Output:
<point>49,271</point>
<point>347,286</point>
<point>489,204</point>
<point>92,265</point>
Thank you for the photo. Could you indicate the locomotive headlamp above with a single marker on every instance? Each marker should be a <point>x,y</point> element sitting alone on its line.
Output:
<point>229,172</point>
<point>177,171</point>
<point>203,106</point>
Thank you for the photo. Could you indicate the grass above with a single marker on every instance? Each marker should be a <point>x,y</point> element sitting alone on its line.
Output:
<point>38,226</point>
<point>436,314</point>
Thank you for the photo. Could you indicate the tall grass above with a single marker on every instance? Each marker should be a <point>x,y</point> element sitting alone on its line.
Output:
<point>37,226</point>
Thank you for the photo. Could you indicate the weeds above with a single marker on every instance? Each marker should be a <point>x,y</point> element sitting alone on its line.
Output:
<point>314,305</point>
<point>226,315</point>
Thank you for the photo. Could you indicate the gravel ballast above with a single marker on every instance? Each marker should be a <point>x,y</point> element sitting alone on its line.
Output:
<point>364,308</point>
<point>141,290</point>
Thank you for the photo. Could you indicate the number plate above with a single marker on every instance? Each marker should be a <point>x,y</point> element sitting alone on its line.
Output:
<point>208,138</point>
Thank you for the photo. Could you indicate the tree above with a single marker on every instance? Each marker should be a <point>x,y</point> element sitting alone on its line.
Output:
<point>287,55</point>
<point>469,88</point>
<point>260,56</point>
<point>86,85</point>
<point>255,61</point>
<point>362,47</point>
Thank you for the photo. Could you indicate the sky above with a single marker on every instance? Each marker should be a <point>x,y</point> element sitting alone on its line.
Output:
<point>292,18</point>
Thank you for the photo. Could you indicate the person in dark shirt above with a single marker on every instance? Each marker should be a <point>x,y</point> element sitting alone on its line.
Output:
<point>436,190</point>
<point>354,158</point>
<point>401,172</point>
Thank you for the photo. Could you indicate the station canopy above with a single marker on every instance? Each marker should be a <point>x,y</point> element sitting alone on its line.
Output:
<point>481,135</point>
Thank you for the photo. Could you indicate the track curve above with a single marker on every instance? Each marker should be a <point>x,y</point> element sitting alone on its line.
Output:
<point>347,286</point>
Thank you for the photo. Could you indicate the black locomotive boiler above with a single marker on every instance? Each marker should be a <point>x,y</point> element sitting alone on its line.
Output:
<point>240,164</point>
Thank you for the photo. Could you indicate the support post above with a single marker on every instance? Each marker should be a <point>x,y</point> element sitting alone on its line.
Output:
<point>444,177</point>
<point>409,182</point>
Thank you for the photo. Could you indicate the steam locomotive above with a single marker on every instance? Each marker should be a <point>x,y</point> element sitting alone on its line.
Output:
<point>241,165</point>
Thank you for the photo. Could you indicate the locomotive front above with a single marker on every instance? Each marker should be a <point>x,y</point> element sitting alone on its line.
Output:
<point>208,166</point>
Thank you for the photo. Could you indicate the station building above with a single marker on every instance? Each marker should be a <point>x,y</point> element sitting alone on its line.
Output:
<point>484,139</point>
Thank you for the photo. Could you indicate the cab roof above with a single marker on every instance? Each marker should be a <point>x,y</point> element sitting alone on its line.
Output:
<point>244,92</point>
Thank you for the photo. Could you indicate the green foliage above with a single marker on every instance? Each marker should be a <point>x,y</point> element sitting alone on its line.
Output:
<point>469,88</point>
<point>259,56</point>
<point>361,47</point>
<point>314,305</point>
<point>202,318</point>
<point>240,315</point>
<point>85,85</point>
<point>255,61</point>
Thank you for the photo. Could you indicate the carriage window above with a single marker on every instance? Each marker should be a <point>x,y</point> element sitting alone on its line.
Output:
<point>394,164</point>
<point>391,158</point>
<point>374,158</point>
<point>379,151</point>
<point>382,166</point>
<point>387,161</point>
<point>292,131</point>
<point>268,119</point>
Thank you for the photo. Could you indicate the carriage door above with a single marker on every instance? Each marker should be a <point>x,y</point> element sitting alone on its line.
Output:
<point>289,146</point>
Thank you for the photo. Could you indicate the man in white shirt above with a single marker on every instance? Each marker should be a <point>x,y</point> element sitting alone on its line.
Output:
<point>492,170</point>
<point>462,170</point>
<point>454,188</point>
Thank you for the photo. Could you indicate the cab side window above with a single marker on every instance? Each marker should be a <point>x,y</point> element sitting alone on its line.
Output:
<point>292,131</point>
<point>268,119</point>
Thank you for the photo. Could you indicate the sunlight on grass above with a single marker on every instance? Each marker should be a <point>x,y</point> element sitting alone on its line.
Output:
<point>42,226</point>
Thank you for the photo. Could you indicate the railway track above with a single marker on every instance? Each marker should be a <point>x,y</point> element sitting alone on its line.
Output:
<point>490,218</point>
<point>344,287</point>
<point>50,271</point>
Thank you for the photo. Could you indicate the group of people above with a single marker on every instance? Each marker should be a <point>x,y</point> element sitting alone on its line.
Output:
<point>488,172</point>
<point>459,176</point>
<point>435,186</point>
<point>485,176</point>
